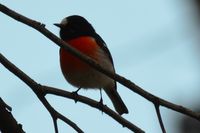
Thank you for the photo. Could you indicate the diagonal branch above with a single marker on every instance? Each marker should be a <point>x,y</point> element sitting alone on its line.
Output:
<point>38,90</point>
<point>41,91</point>
<point>8,124</point>
<point>130,85</point>
<point>55,124</point>
<point>159,118</point>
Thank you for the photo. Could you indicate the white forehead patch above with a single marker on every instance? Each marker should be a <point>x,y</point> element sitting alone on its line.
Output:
<point>64,21</point>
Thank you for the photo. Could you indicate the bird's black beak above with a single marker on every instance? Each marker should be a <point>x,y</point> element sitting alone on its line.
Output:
<point>58,25</point>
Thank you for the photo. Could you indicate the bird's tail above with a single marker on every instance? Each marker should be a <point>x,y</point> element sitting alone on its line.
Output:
<point>119,105</point>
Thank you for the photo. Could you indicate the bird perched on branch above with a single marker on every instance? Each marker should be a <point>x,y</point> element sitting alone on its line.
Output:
<point>80,34</point>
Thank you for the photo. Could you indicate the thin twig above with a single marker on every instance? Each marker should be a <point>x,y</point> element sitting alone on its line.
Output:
<point>159,118</point>
<point>55,114</point>
<point>38,90</point>
<point>55,124</point>
<point>130,85</point>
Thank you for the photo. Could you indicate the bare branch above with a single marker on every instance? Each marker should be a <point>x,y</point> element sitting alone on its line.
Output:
<point>55,124</point>
<point>37,89</point>
<point>92,103</point>
<point>8,124</point>
<point>159,118</point>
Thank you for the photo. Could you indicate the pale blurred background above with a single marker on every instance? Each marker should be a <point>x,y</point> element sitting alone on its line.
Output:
<point>154,43</point>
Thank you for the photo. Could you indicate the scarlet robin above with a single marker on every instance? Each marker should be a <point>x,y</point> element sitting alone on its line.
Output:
<point>80,34</point>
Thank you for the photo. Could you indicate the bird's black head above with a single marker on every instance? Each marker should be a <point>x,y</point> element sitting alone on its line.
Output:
<point>75,26</point>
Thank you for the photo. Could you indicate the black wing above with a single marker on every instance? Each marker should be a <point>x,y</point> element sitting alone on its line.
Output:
<point>102,45</point>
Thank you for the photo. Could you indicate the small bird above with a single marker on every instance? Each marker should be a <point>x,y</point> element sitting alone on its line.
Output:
<point>79,33</point>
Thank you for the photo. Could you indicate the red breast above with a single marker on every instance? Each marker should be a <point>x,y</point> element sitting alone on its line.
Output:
<point>70,63</point>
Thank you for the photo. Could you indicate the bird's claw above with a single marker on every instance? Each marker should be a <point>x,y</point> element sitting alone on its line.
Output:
<point>75,94</point>
<point>101,104</point>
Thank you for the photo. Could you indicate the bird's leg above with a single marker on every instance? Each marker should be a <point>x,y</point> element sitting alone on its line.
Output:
<point>75,93</point>
<point>101,101</point>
